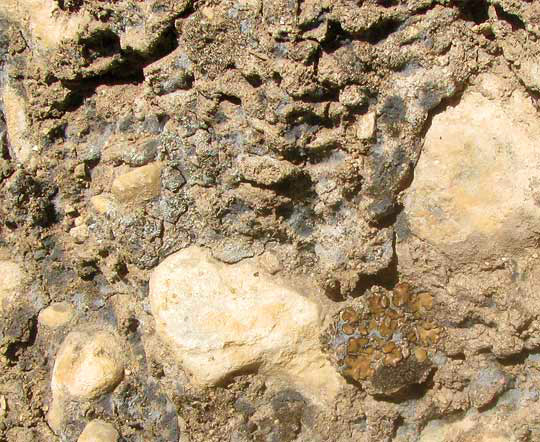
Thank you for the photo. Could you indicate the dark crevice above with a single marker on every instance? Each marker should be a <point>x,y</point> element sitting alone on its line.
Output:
<point>473,10</point>
<point>128,70</point>
<point>410,392</point>
<point>514,21</point>
<point>15,349</point>
<point>387,277</point>
<point>277,78</point>
<point>82,90</point>
<point>388,3</point>
<point>70,5</point>
<point>230,99</point>
<point>254,80</point>
<point>100,44</point>
<point>325,95</point>
<point>336,37</point>
<point>381,31</point>
<point>518,359</point>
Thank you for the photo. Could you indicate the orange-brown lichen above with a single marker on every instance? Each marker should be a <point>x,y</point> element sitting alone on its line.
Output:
<point>394,335</point>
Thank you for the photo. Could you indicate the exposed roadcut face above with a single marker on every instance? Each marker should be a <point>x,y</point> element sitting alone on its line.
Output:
<point>478,178</point>
<point>269,220</point>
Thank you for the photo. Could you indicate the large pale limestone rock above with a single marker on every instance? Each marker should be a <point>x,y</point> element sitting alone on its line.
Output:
<point>476,190</point>
<point>87,365</point>
<point>98,431</point>
<point>11,282</point>
<point>223,319</point>
<point>139,184</point>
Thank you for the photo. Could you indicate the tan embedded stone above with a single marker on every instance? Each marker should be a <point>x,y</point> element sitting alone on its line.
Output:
<point>221,319</point>
<point>265,170</point>
<point>55,415</point>
<point>103,204</point>
<point>365,126</point>
<point>139,184</point>
<point>79,233</point>
<point>17,123</point>
<point>87,365</point>
<point>11,282</point>
<point>99,431</point>
<point>476,190</point>
<point>529,72</point>
<point>56,315</point>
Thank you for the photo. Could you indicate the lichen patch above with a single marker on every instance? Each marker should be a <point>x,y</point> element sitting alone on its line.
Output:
<point>384,340</point>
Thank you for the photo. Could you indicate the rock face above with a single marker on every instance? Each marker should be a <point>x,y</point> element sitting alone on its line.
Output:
<point>476,190</point>
<point>221,320</point>
<point>269,221</point>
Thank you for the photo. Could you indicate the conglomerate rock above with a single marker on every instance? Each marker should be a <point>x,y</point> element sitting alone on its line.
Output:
<point>275,220</point>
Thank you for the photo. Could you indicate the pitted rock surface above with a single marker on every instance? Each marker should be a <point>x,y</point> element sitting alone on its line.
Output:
<point>384,342</point>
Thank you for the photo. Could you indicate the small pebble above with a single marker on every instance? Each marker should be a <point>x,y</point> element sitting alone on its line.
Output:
<point>99,431</point>
<point>56,315</point>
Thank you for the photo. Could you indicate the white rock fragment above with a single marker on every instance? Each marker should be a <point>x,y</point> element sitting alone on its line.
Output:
<point>11,282</point>
<point>87,365</point>
<point>222,319</point>
<point>99,431</point>
<point>56,315</point>
<point>17,123</point>
<point>139,184</point>
<point>365,126</point>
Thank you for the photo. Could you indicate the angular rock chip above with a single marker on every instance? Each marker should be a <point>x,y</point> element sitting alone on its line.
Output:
<point>141,183</point>
<point>11,281</point>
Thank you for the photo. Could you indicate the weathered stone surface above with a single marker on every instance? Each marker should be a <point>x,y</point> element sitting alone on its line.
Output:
<point>56,315</point>
<point>47,28</point>
<point>264,170</point>
<point>15,110</point>
<point>476,190</point>
<point>87,365</point>
<point>11,281</point>
<point>139,184</point>
<point>98,431</point>
<point>104,204</point>
<point>222,319</point>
